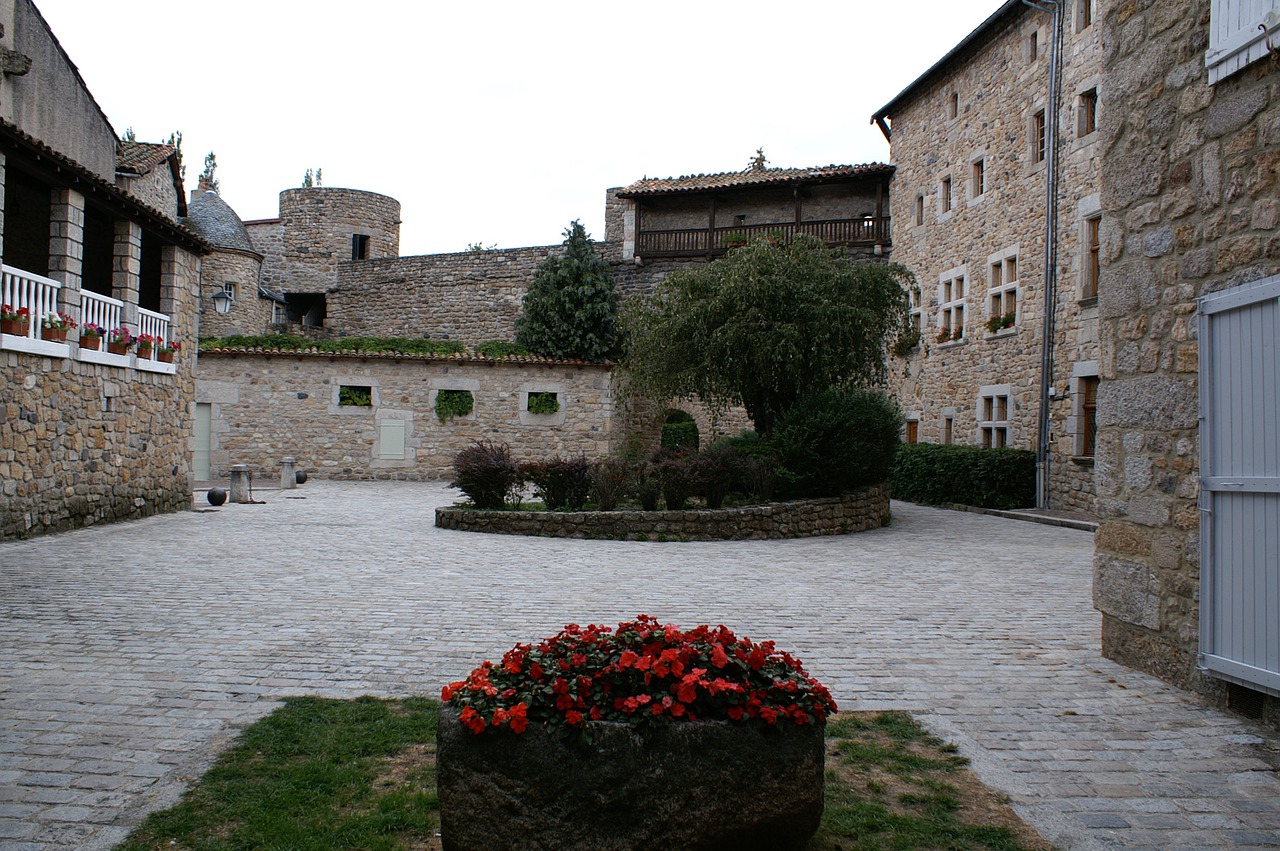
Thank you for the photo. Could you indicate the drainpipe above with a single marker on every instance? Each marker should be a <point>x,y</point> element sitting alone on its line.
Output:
<point>1051,112</point>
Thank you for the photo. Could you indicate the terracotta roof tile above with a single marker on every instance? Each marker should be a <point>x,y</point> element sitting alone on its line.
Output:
<point>751,177</point>
<point>141,157</point>
<point>468,357</point>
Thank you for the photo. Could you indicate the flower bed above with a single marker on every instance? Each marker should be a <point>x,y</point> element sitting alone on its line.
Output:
<point>647,737</point>
<point>856,512</point>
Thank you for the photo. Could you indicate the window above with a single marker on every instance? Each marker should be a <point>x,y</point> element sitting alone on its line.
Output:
<point>359,246</point>
<point>542,403</point>
<point>355,396</point>
<point>1033,46</point>
<point>1092,267</point>
<point>953,105</point>
<point>1002,291</point>
<point>913,431</point>
<point>993,416</point>
<point>951,306</point>
<point>919,210</point>
<point>915,314</point>
<point>453,403</point>
<point>1037,137</point>
<point>1084,18</point>
<point>1087,116</point>
<point>948,429</point>
<point>1240,32</point>
<point>1088,415</point>
<point>944,193</point>
<point>977,178</point>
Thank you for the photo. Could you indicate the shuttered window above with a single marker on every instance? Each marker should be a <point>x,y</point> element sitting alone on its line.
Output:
<point>1238,33</point>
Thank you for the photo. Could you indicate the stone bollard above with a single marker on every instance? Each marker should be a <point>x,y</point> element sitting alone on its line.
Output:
<point>288,472</point>
<point>240,483</point>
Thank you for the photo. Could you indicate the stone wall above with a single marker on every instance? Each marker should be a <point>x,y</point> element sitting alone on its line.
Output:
<point>155,189</point>
<point>267,406</point>
<point>997,88</point>
<point>250,314</point>
<point>867,509</point>
<point>1189,191</point>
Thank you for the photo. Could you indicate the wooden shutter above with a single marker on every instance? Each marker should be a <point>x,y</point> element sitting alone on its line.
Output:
<point>1238,32</point>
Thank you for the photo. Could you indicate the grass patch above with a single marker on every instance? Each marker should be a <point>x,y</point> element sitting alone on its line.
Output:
<point>334,774</point>
<point>315,774</point>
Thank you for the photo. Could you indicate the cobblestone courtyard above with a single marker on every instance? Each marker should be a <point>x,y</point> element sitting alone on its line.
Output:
<point>130,654</point>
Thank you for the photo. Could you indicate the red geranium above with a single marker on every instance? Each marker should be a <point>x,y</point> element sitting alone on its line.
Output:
<point>642,673</point>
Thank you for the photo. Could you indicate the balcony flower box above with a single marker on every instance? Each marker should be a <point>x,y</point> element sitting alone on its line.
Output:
<point>91,336</point>
<point>55,326</point>
<point>14,320</point>
<point>119,341</point>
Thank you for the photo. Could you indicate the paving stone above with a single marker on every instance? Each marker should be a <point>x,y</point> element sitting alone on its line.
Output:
<point>982,626</point>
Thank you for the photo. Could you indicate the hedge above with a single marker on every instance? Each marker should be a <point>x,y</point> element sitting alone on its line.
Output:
<point>934,474</point>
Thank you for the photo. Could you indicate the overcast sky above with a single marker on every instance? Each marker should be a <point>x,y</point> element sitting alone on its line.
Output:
<point>493,121</point>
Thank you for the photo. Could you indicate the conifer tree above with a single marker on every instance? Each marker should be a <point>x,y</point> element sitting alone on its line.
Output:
<point>570,310</point>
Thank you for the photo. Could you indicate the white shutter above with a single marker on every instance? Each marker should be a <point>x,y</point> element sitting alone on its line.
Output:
<point>1238,33</point>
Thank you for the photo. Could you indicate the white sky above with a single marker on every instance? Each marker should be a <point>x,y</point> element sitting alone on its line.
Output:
<point>498,121</point>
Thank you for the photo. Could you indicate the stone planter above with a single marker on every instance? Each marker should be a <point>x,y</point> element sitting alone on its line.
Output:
<point>705,785</point>
<point>90,341</point>
<point>16,327</point>
<point>53,335</point>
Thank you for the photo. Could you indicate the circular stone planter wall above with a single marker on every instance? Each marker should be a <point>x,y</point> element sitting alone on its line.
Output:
<point>696,785</point>
<point>856,512</point>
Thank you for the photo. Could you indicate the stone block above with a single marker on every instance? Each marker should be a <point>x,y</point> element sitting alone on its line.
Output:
<point>1126,590</point>
<point>1232,112</point>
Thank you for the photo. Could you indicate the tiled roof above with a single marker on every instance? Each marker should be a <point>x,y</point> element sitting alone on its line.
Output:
<point>93,183</point>
<point>141,157</point>
<point>467,357</point>
<point>212,218</point>
<point>751,177</point>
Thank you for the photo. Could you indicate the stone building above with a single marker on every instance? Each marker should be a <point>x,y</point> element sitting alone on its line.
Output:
<point>89,229</point>
<point>1006,354</point>
<point>1186,565</point>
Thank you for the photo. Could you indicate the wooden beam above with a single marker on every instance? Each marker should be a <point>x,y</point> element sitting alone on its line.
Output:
<point>711,225</point>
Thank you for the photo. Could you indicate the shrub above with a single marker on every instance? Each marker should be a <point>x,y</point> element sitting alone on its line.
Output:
<point>543,403</point>
<point>292,342</point>
<point>679,431</point>
<point>609,482</point>
<point>676,475</point>
<point>644,674</point>
<point>498,349</point>
<point>714,471</point>
<point>561,482</point>
<point>646,486</point>
<point>755,465</point>
<point>934,474</point>
<point>835,441</point>
<point>487,474</point>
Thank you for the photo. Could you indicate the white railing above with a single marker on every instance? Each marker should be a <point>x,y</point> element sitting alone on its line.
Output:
<point>101,310</point>
<point>155,324</point>
<point>37,294</point>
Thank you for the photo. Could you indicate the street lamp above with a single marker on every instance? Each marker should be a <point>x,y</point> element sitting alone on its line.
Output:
<point>222,301</point>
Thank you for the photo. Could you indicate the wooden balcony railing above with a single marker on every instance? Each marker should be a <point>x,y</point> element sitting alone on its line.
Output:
<point>869,230</point>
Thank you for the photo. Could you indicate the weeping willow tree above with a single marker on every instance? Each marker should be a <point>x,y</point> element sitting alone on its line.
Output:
<point>766,325</point>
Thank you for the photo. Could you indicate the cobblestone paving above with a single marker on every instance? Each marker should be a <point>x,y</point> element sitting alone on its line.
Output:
<point>130,654</point>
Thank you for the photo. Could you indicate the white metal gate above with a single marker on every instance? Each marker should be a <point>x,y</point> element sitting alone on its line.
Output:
<point>1240,484</point>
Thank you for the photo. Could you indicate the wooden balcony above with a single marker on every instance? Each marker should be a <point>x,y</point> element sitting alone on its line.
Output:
<point>698,242</point>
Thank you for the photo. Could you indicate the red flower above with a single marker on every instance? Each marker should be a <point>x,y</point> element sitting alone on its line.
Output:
<point>718,657</point>
<point>573,716</point>
<point>627,659</point>
<point>519,715</point>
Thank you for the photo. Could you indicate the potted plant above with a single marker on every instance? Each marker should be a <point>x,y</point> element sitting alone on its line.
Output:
<point>649,736</point>
<point>958,333</point>
<point>146,343</point>
<point>119,341</point>
<point>167,350</point>
<point>734,240</point>
<point>944,335</point>
<point>14,320</point>
<point>54,327</point>
<point>995,323</point>
<point>91,336</point>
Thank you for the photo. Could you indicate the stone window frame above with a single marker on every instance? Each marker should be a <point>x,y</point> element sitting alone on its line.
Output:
<point>527,417</point>
<point>1089,216</point>
<point>1084,15</point>
<point>993,414</point>
<point>978,181</point>
<point>919,214</point>
<point>947,426</point>
<point>349,380</point>
<point>1003,290</point>
<point>360,245</point>
<point>1083,417</point>
<point>1037,136</point>
<point>946,196</point>
<point>1031,49</point>
<point>915,311</point>
<point>446,382</point>
<point>950,305</point>
<point>911,427</point>
<point>1086,112</point>
<point>952,105</point>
